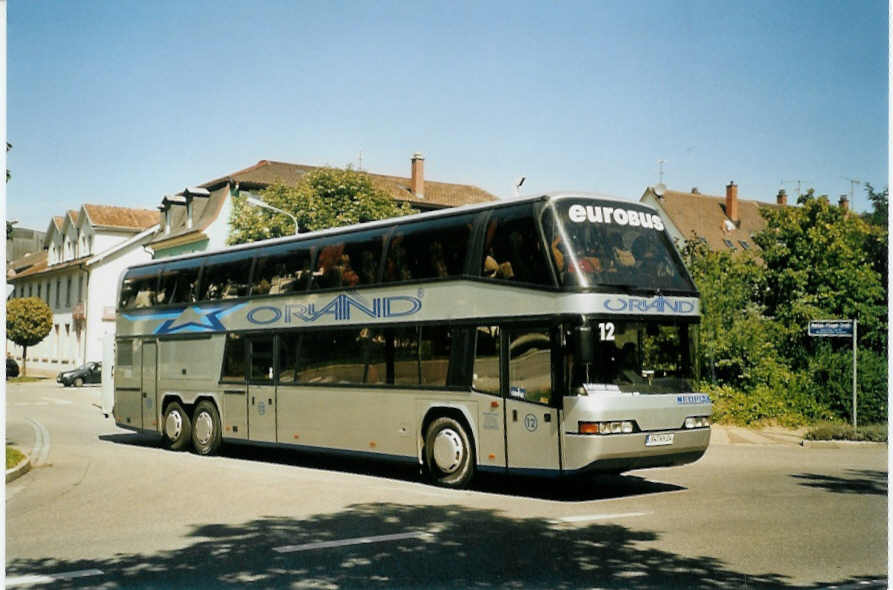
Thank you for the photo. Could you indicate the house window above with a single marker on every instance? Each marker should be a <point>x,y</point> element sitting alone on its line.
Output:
<point>68,293</point>
<point>49,291</point>
<point>39,289</point>
<point>744,244</point>
<point>29,290</point>
<point>81,289</point>
<point>729,244</point>
<point>58,289</point>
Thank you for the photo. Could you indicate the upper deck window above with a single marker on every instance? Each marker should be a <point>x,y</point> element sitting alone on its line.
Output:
<point>283,269</point>
<point>348,261</point>
<point>138,289</point>
<point>179,281</point>
<point>512,248</point>
<point>226,276</point>
<point>604,244</point>
<point>431,250</point>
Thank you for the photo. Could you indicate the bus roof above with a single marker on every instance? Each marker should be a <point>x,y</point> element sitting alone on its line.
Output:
<point>391,221</point>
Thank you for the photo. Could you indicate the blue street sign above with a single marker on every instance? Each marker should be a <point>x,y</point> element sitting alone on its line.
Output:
<point>831,328</point>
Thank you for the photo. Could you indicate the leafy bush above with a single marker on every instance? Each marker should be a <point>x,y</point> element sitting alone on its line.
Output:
<point>840,431</point>
<point>13,457</point>
<point>763,405</point>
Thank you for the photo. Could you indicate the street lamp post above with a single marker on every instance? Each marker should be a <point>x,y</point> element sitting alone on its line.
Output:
<point>254,201</point>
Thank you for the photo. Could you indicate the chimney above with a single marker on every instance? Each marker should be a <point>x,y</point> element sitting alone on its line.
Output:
<point>732,202</point>
<point>782,197</point>
<point>844,203</point>
<point>417,183</point>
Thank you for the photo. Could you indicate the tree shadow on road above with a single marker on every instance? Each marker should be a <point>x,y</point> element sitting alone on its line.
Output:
<point>461,548</point>
<point>863,481</point>
<point>583,489</point>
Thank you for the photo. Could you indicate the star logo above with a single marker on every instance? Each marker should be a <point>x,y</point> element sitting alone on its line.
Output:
<point>196,318</point>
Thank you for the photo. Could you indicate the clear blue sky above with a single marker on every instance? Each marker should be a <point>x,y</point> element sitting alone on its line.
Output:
<point>122,102</point>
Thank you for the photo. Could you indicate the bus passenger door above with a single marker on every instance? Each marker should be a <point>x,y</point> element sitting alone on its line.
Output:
<point>531,420</point>
<point>148,385</point>
<point>261,389</point>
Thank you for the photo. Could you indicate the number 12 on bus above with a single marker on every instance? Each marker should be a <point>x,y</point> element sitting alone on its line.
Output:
<point>554,335</point>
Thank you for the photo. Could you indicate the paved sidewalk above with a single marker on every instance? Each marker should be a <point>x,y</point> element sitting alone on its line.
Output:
<point>737,435</point>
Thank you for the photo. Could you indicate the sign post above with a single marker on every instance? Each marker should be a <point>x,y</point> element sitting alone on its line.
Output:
<point>840,329</point>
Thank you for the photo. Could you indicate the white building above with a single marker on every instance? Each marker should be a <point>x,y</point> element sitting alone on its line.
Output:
<point>77,275</point>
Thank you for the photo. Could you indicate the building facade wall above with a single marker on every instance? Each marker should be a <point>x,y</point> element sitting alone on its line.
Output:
<point>90,287</point>
<point>105,277</point>
<point>63,347</point>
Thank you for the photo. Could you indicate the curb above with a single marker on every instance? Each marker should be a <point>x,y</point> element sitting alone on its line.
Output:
<point>19,470</point>
<point>840,444</point>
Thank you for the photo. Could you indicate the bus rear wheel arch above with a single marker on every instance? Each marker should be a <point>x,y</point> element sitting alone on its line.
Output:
<point>449,452</point>
<point>206,434</point>
<point>177,427</point>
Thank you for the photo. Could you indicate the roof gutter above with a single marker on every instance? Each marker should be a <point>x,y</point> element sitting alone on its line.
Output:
<point>134,240</point>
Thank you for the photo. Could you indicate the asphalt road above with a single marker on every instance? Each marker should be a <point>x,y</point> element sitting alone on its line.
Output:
<point>105,508</point>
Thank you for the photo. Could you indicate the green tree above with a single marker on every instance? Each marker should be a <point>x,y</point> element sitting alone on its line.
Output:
<point>324,197</point>
<point>732,340</point>
<point>28,321</point>
<point>879,206</point>
<point>819,264</point>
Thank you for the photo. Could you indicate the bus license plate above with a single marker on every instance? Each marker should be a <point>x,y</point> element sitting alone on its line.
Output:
<point>659,440</point>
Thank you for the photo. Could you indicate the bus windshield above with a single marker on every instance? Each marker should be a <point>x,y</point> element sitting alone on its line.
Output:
<point>601,244</point>
<point>636,356</point>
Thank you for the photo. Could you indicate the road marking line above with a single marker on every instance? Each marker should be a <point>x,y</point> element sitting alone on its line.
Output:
<point>354,541</point>
<point>880,583</point>
<point>45,578</point>
<point>41,449</point>
<point>56,400</point>
<point>589,517</point>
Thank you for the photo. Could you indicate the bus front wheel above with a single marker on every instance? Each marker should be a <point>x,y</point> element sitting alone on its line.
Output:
<point>206,435</point>
<point>177,428</point>
<point>449,454</point>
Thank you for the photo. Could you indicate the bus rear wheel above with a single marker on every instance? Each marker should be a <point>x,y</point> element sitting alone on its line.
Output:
<point>206,435</point>
<point>177,427</point>
<point>449,454</point>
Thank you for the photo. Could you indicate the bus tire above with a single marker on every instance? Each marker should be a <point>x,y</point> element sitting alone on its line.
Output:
<point>449,454</point>
<point>177,427</point>
<point>206,435</point>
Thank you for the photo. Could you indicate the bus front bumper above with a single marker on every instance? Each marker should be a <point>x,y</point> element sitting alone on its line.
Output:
<point>616,453</point>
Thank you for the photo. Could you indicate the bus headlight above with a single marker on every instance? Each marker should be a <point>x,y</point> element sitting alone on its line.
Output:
<point>616,427</point>
<point>697,422</point>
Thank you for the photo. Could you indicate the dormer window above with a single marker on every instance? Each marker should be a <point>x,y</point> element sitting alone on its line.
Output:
<point>189,193</point>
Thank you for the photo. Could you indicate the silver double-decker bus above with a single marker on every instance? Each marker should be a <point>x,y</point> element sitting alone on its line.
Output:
<point>550,335</point>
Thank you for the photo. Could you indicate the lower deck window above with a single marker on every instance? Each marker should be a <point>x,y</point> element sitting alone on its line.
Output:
<point>412,356</point>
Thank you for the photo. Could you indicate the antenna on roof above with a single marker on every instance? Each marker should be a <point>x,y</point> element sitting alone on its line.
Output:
<point>518,184</point>
<point>798,181</point>
<point>853,182</point>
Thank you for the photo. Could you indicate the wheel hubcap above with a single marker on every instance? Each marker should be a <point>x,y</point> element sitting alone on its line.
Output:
<point>173,425</point>
<point>448,450</point>
<point>203,428</point>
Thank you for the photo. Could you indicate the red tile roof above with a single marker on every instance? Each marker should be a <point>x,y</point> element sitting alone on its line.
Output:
<point>704,216</point>
<point>112,217</point>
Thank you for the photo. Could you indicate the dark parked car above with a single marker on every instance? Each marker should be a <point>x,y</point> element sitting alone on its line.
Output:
<point>12,367</point>
<point>88,373</point>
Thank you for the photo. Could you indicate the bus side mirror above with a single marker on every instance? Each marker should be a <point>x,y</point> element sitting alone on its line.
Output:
<point>583,344</point>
